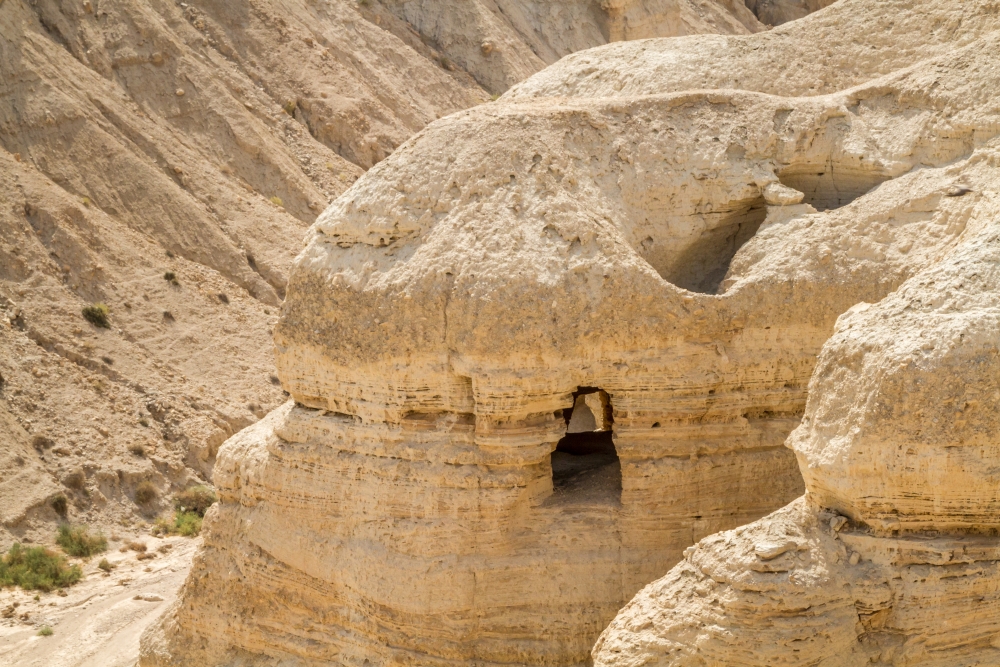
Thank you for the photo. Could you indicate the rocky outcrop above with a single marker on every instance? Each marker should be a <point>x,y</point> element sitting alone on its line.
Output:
<point>673,262</point>
<point>891,557</point>
<point>846,45</point>
<point>140,140</point>
<point>503,42</point>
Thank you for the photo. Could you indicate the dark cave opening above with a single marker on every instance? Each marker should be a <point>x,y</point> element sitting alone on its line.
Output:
<point>585,462</point>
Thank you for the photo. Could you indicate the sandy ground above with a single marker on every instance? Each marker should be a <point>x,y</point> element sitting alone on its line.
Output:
<point>99,621</point>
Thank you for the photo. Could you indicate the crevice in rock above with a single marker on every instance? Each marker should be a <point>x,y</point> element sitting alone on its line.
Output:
<point>828,186</point>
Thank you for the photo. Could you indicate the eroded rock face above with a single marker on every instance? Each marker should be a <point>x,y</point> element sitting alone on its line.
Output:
<point>891,557</point>
<point>420,502</point>
<point>894,556</point>
<point>776,12</point>
<point>502,42</point>
<point>140,139</point>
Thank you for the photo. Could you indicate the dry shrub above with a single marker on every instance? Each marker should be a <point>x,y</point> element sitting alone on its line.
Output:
<point>145,493</point>
<point>36,568</point>
<point>196,499</point>
<point>60,505</point>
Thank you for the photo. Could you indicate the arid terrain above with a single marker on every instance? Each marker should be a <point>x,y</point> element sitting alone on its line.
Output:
<point>98,622</point>
<point>682,352</point>
<point>165,160</point>
<point>507,332</point>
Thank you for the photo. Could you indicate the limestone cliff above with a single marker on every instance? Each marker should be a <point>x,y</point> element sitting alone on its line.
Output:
<point>668,257</point>
<point>165,159</point>
<point>891,557</point>
<point>776,12</point>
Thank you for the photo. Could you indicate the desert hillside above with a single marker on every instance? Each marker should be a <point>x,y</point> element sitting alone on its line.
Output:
<point>160,163</point>
<point>683,352</point>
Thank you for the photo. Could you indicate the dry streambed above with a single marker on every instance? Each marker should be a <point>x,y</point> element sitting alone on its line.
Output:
<point>98,622</point>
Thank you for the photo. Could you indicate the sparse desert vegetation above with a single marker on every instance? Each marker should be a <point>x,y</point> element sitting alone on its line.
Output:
<point>79,541</point>
<point>37,568</point>
<point>97,314</point>
<point>145,493</point>
<point>190,506</point>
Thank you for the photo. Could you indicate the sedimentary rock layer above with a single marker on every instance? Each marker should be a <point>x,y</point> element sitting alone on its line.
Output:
<point>891,557</point>
<point>687,253</point>
<point>143,139</point>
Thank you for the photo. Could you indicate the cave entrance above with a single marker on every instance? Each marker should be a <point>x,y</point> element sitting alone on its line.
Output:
<point>585,463</point>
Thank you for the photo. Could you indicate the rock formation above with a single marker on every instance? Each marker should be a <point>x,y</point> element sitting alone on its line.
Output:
<point>140,140</point>
<point>776,12</point>
<point>610,235</point>
<point>892,556</point>
<point>503,42</point>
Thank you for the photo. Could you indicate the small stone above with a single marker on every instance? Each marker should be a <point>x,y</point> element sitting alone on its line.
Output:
<point>855,558</point>
<point>776,194</point>
<point>837,523</point>
<point>771,550</point>
<point>180,92</point>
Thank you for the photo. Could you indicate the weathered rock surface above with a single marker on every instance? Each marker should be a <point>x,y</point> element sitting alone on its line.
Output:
<point>898,437</point>
<point>892,555</point>
<point>503,42</point>
<point>140,139</point>
<point>419,501</point>
<point>776,12</point>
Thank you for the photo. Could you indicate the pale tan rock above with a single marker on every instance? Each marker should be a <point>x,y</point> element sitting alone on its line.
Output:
<point>776,12</point>
<point>139,138</point>
<point>897,437</point>
<point>502,42</point>
<point>846,44</point>
<point>451,303</point>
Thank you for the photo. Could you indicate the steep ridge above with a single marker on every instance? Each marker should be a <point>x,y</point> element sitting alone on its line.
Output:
<point>142,139</point>
<point>503,42</point>
<point>844,45</point>
<point>682,256</point>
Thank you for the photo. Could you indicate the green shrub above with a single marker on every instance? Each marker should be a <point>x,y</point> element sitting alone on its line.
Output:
<point>196,499</point>
<point>171,278</point>
<point>97,314</point>
<point>105,565</point>
<point>36,568</point>
<point>45,631</point>
<point>187,524</point>
<point>78,541</point>
<point>136,448</point>
<point>145,493</point>
<point>277,201</point>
